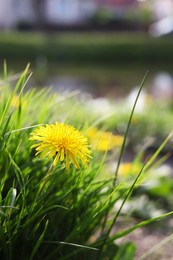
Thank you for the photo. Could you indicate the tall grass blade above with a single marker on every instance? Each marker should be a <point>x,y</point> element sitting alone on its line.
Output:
<point>10,115</point>
<point>139,225</point>
<point>5,70</point>
<point>119,161</point>
<point>40,240</point>
<point>155,248</point>
<point>72,244</point>
<point>155,155</point>
<point>128,127</point>
<point>22,129</point>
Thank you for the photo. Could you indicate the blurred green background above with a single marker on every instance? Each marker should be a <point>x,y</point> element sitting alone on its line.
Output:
<point>103,47</point>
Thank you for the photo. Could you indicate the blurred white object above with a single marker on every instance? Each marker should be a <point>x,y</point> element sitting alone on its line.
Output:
<point>100,105</point>
<point>163,87</point>
<point>162,27</point>
<point>141,100</point>
<point>161,8</point>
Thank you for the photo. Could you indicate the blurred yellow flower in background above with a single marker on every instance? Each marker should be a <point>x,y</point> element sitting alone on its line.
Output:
<point>15,102</point>
<point>62,143</point>
<point>103,140</point>
<point>129,168</point>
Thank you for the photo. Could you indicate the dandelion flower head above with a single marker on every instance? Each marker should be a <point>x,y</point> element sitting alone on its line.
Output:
<point>62,143</point>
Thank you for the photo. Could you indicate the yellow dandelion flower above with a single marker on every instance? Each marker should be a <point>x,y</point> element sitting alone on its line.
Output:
<point>130,168</point>
<point>62,143</point>
<point>15,102</point>
<point>102,140</point>
<point>92,132</point>
<point>117,140</point>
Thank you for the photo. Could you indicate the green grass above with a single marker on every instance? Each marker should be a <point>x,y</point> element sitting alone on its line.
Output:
<point>85,47</point>
<point>65,214</point>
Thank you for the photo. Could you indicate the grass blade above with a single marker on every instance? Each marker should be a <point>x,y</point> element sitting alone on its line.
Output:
<point>40,240</point>
<point>72,244</point>
<point>139,225</point>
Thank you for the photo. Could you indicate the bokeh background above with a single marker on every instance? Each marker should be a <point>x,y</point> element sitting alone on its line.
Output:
<point>99,46</point>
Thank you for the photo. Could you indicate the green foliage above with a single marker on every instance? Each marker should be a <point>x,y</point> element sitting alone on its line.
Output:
<point>86,47</point>
<point>62,215</point>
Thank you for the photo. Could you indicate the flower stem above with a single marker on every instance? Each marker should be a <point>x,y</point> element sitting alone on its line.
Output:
<point>46,177</point>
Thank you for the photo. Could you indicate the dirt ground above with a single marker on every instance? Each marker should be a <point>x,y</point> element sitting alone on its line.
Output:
<point>154,242</point>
